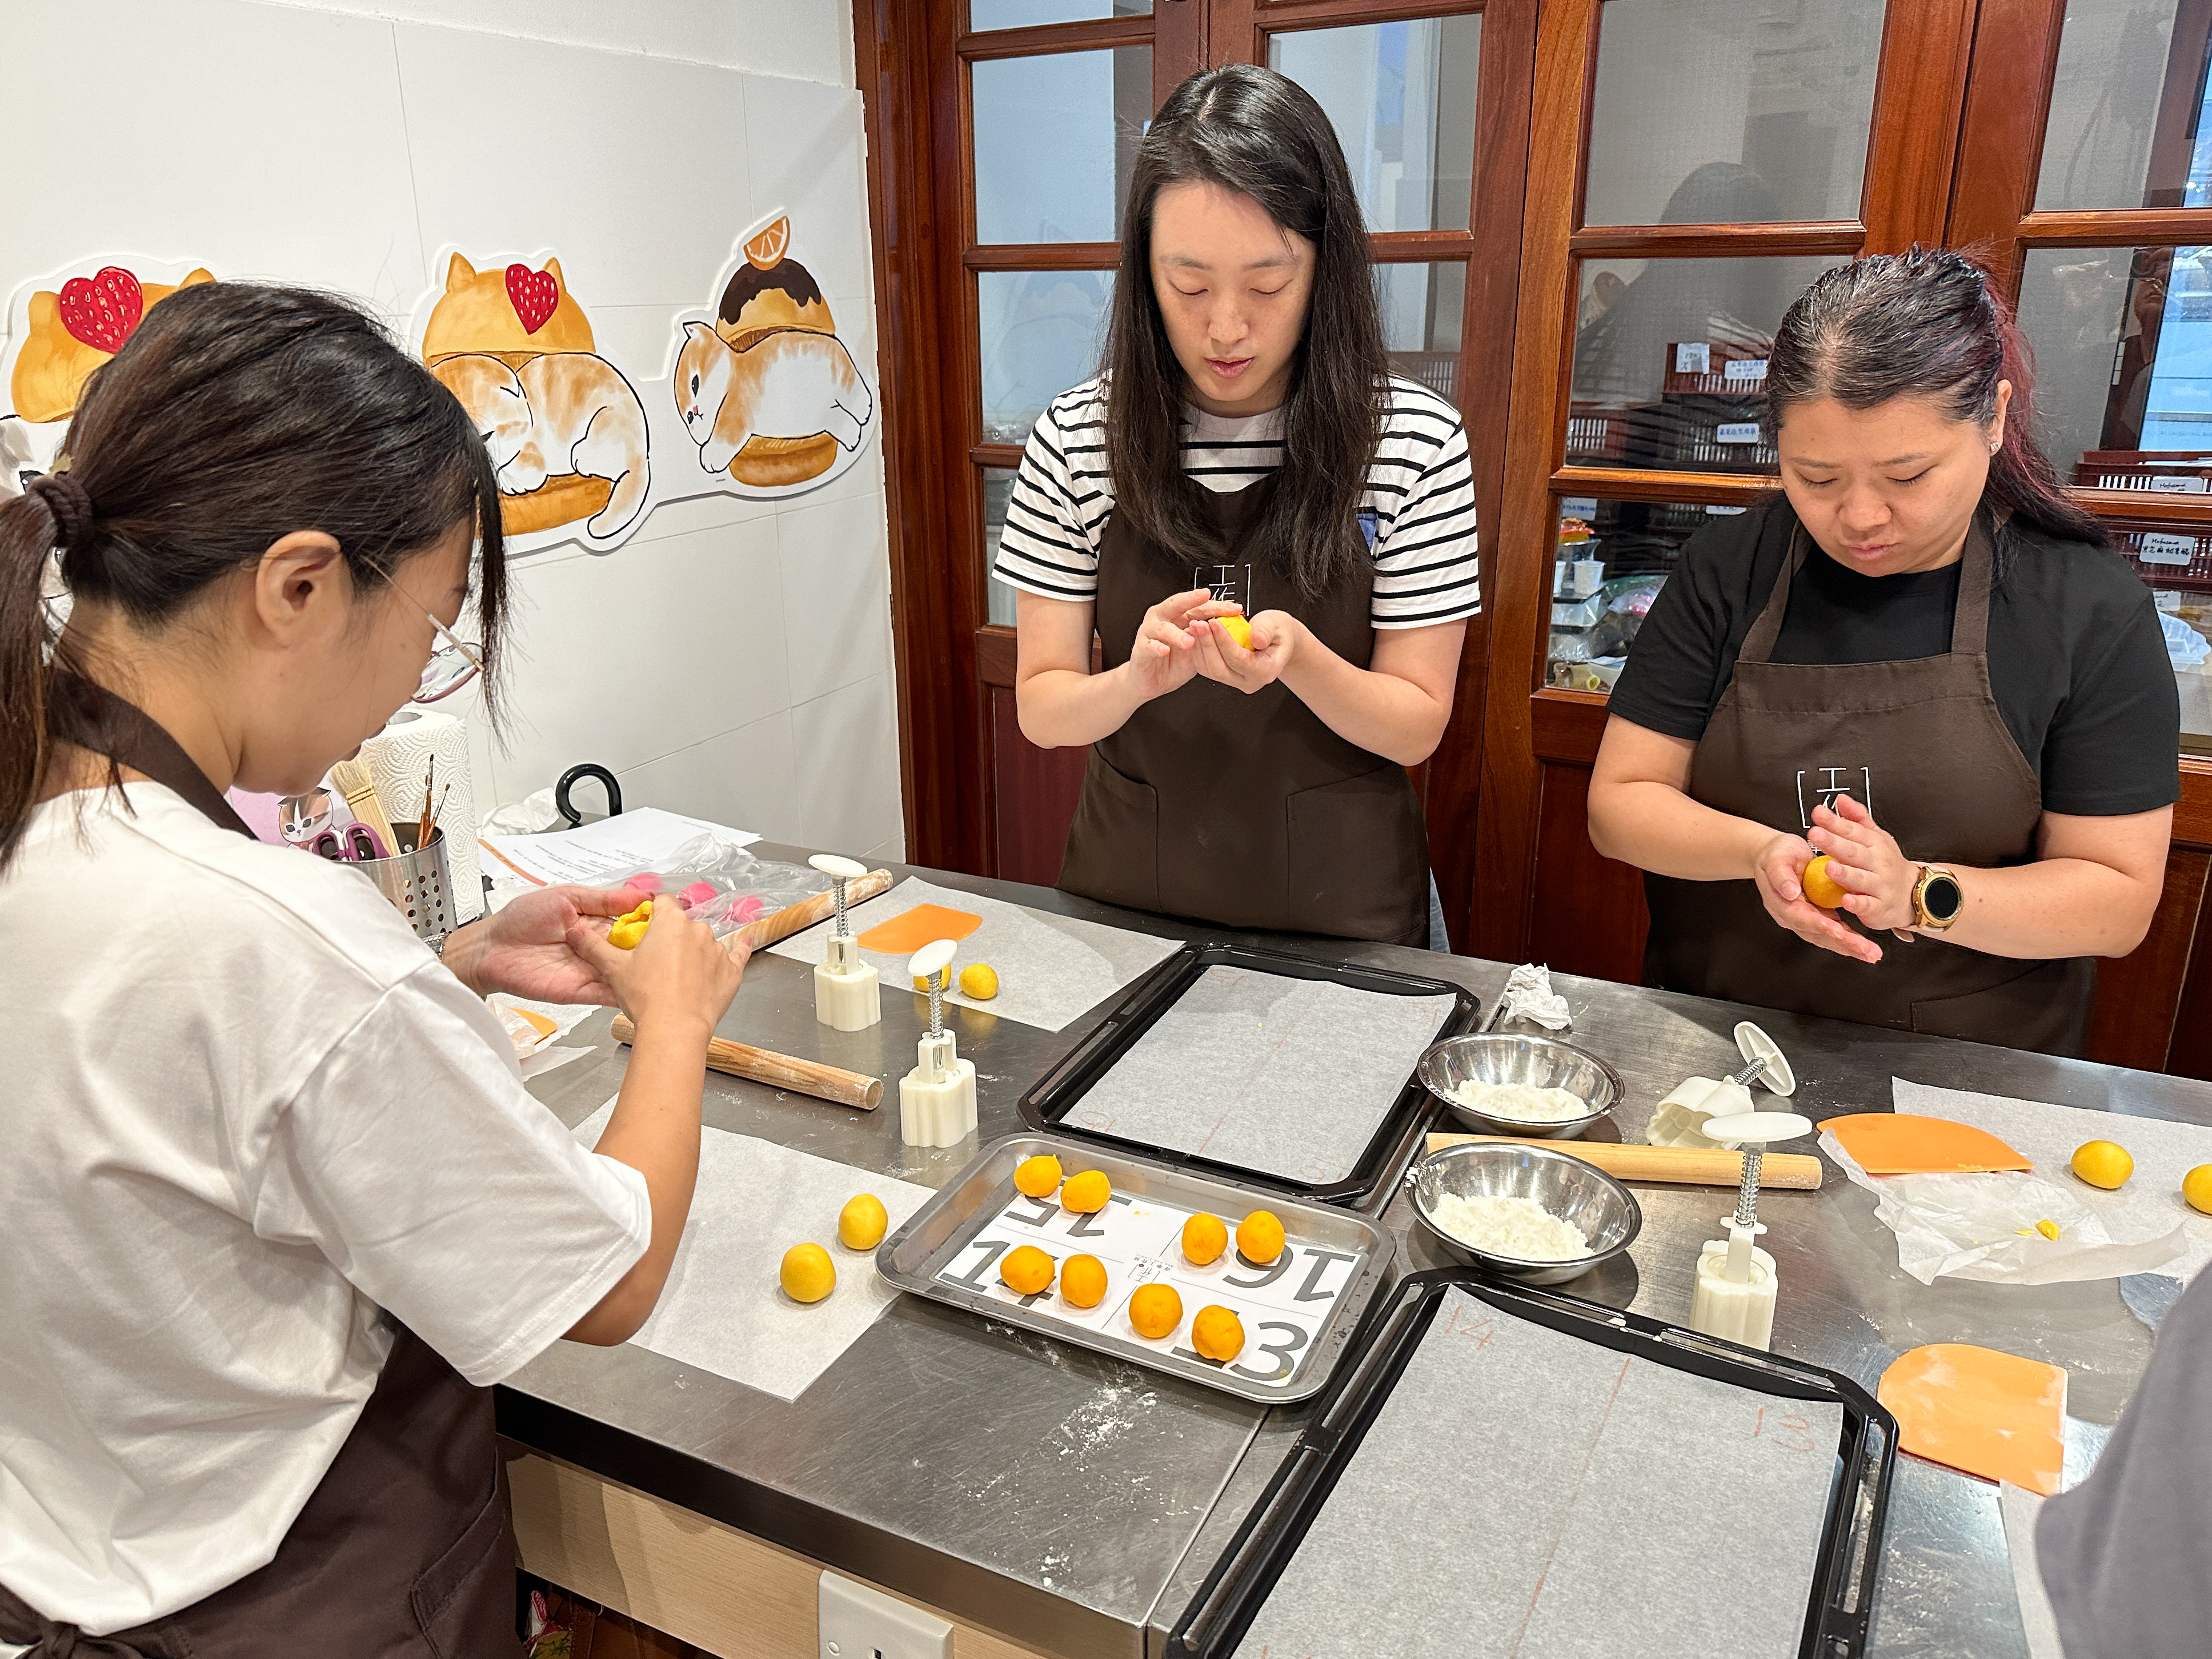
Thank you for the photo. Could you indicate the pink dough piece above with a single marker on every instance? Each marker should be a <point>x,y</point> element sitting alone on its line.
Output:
<point>699,892</point>
<point>744,909</point>
<point>645,882</point>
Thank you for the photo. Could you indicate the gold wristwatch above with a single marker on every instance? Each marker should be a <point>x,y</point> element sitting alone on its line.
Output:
<point>1937,898</point>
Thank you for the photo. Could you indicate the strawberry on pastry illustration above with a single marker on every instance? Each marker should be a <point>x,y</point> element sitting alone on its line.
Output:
<point>70,332</point>
<point>768,392</point>
<point>566,433</point>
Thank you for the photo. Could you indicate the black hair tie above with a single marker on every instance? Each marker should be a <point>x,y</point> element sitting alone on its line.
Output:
<point>68,504</point>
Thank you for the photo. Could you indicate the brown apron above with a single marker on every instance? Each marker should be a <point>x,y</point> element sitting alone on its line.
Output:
<point>406,1550</point>
<point>1243,810</point>
<point>1922,745</point>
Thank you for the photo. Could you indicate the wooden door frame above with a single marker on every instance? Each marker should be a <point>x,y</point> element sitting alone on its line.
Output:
<point>1919,93</point>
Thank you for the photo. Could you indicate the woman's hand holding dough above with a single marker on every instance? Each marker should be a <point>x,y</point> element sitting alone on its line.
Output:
<point>1867,863</point>
<point>1778,868</point>
<point>1275,641</point>
<point>523,948</point>
<point>1164,655</point>
<point>680,977</point>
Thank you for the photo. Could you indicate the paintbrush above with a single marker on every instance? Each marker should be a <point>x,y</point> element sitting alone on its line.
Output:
<point>351,779</point>
<point>423,823</point>
<point>431,820</point>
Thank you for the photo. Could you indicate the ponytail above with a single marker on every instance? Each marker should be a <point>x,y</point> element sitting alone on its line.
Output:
<point>1926,323</point>
<point>235,413</point>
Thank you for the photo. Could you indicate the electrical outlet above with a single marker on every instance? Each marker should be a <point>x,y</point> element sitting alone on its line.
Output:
<point>857,1621</point>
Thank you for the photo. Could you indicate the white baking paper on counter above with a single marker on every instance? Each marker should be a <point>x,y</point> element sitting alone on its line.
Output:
<point>2137,1219</point>
<point>1052,969</point>
<point>1523,1494</point>
<point>723,1309</point>
<point>2018,1508</point>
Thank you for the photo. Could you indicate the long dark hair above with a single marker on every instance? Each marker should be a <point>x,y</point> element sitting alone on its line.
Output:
<point>235,413</point>
<point>1926,323</point>
<point>1261,134</point>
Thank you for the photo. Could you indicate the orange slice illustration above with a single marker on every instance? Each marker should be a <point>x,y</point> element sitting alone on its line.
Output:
<point>765,249</point>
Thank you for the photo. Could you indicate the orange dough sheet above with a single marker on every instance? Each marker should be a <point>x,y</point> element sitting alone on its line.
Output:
<point>1897,1143</point>
<point>909,930</point>
<point>1989,1414</point>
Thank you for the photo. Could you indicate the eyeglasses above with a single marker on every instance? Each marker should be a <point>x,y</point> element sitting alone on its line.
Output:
<point>452,666</point>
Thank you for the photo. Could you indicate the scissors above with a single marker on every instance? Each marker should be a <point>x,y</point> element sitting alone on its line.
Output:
<point>355,844</point>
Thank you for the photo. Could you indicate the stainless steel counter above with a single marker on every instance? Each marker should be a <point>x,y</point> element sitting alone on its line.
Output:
<point>1076,1502</point>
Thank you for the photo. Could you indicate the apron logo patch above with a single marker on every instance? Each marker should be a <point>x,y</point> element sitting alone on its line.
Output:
<point>1820,786</point>
<point>1232,584</point>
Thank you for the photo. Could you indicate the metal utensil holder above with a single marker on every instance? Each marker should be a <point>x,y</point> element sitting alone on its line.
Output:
<point>420,884</point>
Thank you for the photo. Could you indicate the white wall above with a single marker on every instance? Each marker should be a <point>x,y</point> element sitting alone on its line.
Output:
<point>733,660</point>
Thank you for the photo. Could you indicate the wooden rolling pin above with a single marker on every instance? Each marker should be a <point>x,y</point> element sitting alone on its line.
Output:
<point>794,918</point>
<point>1687,1166</point>
<point>806,1077</point>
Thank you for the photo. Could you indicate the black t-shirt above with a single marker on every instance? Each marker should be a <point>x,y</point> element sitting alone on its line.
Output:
<point>2077,663</point>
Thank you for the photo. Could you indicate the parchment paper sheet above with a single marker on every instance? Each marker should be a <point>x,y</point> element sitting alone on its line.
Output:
<point>723,1309</point>
<point>1287,1077</point>
<point>2147,1207</point>
<point>1051,969</point>
<point>1524,1495</point>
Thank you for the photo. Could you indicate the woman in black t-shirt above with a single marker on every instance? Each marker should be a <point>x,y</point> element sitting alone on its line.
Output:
<point>1919,660</point>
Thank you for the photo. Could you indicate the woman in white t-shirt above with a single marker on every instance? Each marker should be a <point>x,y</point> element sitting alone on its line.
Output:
<point>1246,453</point>
<point>279,1210</point>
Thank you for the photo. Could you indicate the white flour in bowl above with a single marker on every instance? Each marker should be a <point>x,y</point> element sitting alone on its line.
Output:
<point>1518,1227</point>
<point>1522,1103</point>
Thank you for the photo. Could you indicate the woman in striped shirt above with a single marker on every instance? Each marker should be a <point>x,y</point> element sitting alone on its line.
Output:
<point>1246,461</point>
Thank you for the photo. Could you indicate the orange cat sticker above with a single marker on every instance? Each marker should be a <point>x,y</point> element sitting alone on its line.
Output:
<point>60,335</point>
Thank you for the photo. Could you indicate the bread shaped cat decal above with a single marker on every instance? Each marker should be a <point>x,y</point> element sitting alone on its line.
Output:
<point>567,434</point>
<point>58,335</point>
<point>770,395</point>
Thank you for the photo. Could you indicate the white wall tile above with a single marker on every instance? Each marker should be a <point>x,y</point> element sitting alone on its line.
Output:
<point>845,748</point>
<point>625,657</point>
<point>806,156</point>
<point>836,594</point>
<point>210,130</point>
<point>741,778</point>
<point>811,40</point>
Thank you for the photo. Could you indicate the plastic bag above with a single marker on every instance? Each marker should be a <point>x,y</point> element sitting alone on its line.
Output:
<point>723,884</point>
<point>1984,1227</point>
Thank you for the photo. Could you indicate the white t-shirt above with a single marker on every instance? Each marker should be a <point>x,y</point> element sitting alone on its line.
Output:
<point>244,1109</point>
<point>1418,509</point>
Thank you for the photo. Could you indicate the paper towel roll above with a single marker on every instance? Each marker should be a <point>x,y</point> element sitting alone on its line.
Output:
<point>399,759</point>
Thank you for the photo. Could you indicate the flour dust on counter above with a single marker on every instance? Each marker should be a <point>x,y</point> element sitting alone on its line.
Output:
<point>1051,969</point>
<point>724,1311</point>
<point>1281,1076</point>
<point>1523,1494</point>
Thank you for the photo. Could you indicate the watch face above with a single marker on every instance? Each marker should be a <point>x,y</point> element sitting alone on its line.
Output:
<point>1942,898</point>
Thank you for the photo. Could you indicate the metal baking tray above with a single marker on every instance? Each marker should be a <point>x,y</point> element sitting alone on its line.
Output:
<point>1396,1136</point>
<point>1840,1600</point>
<point>1299,1314</point>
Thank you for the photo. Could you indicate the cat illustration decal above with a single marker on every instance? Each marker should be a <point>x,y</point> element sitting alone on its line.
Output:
<point>61,335</point>
<point>770,395</point>
<point>568,435</point>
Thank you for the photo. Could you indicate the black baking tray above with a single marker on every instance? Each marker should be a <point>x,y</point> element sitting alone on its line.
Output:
<point>1840,1606</point>
<point>1048,1104</point>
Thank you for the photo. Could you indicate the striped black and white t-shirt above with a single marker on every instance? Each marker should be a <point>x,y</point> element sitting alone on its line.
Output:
<point>1420,492</point>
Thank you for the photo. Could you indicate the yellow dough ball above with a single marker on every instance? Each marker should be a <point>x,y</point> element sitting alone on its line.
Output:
<point>808,1272</point>
<point>1038,1176</point>
<point>1026,1270</point>
<point>1260,1237</point>
<point>1217,1333</point>
<point>1821,888</point>
<point>1204,1239</point>
<point>629,930</point>
<point>1237,629</point>
<point>1082,1280</point>
<point>2103,1163</point>
<point>979,981</point>
<point>1086,1194</point>
<point>863,1222</point>
<point>1155,1310</point>
<point>2197,1188</point>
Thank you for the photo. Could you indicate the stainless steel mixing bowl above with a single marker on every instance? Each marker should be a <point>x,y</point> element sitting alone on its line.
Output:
<point>1542,1062</point>
<point>1606,1211</point>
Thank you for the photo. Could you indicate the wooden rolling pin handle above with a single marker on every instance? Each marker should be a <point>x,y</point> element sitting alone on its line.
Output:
<point>1688,1166</point>
<point>795,918</point>
<point>806,1077</point>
